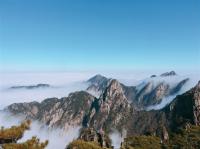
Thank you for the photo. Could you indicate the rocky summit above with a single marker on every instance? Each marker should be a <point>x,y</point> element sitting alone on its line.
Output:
<point>110,110</point>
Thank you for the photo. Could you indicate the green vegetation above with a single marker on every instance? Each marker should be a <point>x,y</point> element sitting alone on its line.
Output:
<point>33,143</point>
<point>10,136</point>
<point>15,132</point>
<point>184,139</point>
<point>80,144</point>
<point>142,142</point>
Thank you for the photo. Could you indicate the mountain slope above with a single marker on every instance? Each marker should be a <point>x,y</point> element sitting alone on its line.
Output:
<point>57,112</point>
<point>111,110</point>
<point>184,110</point>
<point>149,92</point>
<point>97,85</point>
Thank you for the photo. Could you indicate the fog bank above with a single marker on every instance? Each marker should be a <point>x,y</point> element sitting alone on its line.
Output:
<point>57,137</point>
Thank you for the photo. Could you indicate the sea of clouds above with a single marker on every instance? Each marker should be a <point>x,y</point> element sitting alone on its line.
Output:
<point>61,85</point>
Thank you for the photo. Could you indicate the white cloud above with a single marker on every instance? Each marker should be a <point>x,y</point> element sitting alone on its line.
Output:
<point>193,80</point>
<point>61,85</point>
<point>117,137</point>
<point>57,137</point>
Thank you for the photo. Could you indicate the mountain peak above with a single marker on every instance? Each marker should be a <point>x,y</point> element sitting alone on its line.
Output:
<point>166,74</point>
<point>97,78</point>
<point>198,85</point>
<point>97,85</point>
<point>114,89</point>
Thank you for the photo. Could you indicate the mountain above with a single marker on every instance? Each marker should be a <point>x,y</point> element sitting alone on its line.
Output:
<point>167,74</point>
<point>113,110</point>
<point>183,110</point>
<point>57,112</point>
<point>178,87</point>
<point>153,94</point>
<point>80,108</point>
<point>149,92</point>
<point>97,85</point>
<point>31,86</point>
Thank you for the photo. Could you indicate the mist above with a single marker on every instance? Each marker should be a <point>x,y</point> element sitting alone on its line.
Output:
<point>57,137</point>
<point>117,138</point>
<point>193,80</point>
<point>61,84</point>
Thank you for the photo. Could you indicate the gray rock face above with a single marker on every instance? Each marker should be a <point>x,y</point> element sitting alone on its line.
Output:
<point>184,109</point>
<point>196,107</point>
<point>150,94</point>
<point>57,112</point>
<point>157,94</point>
<point>99,137</point>
<point>111,109</point>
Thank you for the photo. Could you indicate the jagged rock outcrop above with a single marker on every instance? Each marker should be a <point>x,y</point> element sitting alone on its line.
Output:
<point>57,112</point>
<point>92,135</point>
<point>158,94</point>
<point>148,93</point>
<point>111,110</point>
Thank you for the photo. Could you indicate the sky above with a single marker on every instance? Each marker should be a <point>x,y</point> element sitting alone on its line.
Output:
<point>65,35</point>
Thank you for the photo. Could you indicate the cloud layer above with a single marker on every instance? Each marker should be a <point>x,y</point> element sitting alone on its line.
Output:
<point>57,137</point>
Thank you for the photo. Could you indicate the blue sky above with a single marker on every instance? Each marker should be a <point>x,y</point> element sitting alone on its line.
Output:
<point>65,35</point>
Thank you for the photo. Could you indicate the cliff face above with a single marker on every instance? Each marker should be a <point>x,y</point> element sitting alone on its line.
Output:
<point>196,107</point>
<point>57,112</point>
<point>148,93</point>
<point>111,109</point>
<point>184,109</point>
